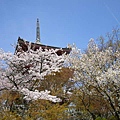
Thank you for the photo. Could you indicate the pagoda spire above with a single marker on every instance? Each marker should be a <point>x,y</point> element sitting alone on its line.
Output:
<point>37,32</point>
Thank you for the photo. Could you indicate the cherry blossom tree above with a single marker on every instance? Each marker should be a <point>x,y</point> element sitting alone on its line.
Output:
<point>24,71</point>
<point>97,73</point>
<point>21,75</point>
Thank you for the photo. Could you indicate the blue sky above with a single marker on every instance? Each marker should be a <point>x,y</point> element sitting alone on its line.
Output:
<point>61,21</point>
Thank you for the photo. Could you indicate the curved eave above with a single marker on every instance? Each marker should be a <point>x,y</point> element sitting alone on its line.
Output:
<point>34,46</point>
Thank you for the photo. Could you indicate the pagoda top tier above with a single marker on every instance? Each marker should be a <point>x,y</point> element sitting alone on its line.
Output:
<point>34,46</point>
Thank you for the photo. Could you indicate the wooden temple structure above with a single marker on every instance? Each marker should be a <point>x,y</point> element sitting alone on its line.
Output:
<point>34,46</point>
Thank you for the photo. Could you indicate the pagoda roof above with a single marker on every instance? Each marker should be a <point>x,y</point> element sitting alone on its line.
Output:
<point>34,46</point>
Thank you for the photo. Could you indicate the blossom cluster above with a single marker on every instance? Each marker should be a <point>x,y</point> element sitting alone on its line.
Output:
<point>98,72</point>
<point>24,71</point>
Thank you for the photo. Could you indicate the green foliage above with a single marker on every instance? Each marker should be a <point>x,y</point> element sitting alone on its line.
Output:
<point>112,118</point>
<point>7,115</point>
<point>100,118</point>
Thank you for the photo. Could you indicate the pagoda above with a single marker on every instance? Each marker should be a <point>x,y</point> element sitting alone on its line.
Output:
<point>34,46</point>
